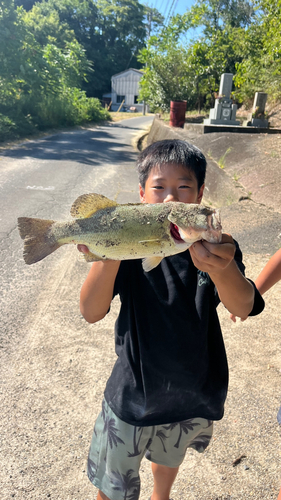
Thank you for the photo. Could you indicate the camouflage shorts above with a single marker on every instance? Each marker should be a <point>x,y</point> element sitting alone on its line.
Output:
<point>117,449</point>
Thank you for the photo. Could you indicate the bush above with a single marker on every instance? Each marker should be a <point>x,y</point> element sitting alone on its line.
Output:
<point>72,107</point>
<point>15,126</point>
<point>88,109</point>
<point>7,128</point>
<point>29,114</point>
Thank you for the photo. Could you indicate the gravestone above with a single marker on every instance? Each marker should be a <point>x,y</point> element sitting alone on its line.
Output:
<point>257,117</point>
<point>224,112</point>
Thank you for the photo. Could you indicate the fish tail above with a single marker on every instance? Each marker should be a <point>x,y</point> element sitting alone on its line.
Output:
<point>38,240</point>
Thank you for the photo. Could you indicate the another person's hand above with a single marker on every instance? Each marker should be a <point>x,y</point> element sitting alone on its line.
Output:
<point>213,257</point>
<point>233,318</point>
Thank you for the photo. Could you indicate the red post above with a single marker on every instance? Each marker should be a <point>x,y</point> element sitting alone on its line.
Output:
<point>177,113</point>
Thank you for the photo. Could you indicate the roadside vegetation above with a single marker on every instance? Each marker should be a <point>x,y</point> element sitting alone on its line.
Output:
<point>58,56</point>
<point>241,37</point>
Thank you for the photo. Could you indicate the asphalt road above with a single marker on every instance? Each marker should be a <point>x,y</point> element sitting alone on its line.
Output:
<point>42,333</point>
<point>41,179</point>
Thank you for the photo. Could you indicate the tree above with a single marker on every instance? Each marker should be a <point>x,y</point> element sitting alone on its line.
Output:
<point>260,69</point>
<point>154,21</point>
<point>47,27</point>
<point>165,76</point>
<point>38,83</point>
<point>26,4</point>
<point>110,31</point>
<point>191,71</point>
<point>217,14</point>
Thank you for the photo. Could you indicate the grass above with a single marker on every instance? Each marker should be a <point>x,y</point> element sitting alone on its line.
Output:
<point>117,117</point>
<point>193,113</point>
<point>221,161</point>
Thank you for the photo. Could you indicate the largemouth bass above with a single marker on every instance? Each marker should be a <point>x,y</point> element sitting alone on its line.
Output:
<point>122,232</point>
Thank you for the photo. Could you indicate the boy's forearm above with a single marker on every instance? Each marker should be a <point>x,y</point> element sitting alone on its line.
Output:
<point>97,290</point>
<point>235,291</point>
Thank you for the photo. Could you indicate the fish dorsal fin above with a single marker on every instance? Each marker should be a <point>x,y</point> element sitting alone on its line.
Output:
<point>87,204</point>
<point>151,262</point>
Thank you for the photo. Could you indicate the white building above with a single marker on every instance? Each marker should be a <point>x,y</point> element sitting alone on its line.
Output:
<point>125,87</point>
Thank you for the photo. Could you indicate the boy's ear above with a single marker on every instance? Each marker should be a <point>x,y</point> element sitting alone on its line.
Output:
<point>142,194</point>
<point>200,193</point>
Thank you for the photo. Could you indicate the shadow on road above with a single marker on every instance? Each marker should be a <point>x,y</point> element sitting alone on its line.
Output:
<point>82,146</point>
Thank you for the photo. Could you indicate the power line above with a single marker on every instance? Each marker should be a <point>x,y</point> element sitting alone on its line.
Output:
<point>168,16</point>
<point>165,10</point>
<point>173,13</point>
<point>155,6</point>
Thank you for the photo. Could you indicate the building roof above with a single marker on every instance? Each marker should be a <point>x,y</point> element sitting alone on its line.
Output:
<point>129,69</point>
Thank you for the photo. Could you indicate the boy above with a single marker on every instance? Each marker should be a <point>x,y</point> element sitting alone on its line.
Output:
<point>170,379</point>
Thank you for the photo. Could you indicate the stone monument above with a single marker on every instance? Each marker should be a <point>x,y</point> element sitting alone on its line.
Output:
<point>257,117</point>
<point>224,112</point>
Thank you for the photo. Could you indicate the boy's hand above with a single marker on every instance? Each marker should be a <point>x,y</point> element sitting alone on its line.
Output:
<point>217,259</point>
<point>83,248</point>
<point>213,258</point>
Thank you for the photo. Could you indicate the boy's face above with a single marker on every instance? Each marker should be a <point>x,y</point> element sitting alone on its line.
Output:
<point>171,183</point>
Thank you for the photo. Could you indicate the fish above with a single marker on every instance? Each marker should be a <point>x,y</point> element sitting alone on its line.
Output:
<point>122,231</point>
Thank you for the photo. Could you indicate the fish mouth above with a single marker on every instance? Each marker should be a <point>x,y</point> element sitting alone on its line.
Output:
<point>174,231</point>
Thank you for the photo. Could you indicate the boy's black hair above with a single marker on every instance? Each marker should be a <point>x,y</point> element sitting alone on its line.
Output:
<point>174,151</point>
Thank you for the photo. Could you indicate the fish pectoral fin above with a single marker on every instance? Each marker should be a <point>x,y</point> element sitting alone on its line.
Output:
<point>150,263</point>
<point>91,257</point>
<point>87,204</point>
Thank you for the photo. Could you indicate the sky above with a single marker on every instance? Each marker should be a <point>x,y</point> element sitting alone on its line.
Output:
<point>170,6</point>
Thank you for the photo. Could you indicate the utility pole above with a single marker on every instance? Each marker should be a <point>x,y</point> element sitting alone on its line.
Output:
<point>148,36</point>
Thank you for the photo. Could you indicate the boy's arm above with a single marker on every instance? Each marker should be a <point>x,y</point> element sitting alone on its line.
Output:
<point>97,290</point>
<point>217,259</point>
<point>270,274</point>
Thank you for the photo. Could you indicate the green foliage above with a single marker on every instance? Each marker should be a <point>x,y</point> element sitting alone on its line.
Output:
<point>164,78</point>
<point>218,14</point>
<point>26,4</point>
<point>57,54</point>
<point>110,31</point>
<point>72,107</point>
<point>221,160</point>
<point>39,80</point>
<point>7,127</point>
<point>191,72</point>
<point>260,69</point>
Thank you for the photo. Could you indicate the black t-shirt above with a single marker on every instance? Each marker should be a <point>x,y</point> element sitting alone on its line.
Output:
<point>171,363</point>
